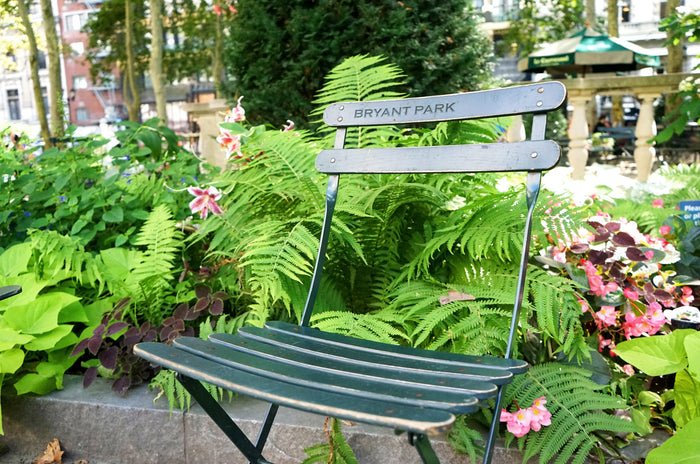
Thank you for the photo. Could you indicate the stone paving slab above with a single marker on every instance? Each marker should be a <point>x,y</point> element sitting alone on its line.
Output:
<point>96,425</point>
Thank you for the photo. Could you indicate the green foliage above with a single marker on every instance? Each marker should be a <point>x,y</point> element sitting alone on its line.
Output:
<point>675,353</point>
<point>542,21</point>
<point>579,420</point>
<point>278,53</point>
<point>336,451</point>
<point>683,447</point>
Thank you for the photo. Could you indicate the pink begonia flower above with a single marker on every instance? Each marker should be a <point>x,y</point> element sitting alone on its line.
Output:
<point>540,417</point>
<point>658,203</point>
<point>584,305</point>
<point>607,315</point>
<point>289,126</point>
<point>687,296</point>
<point>636,326</point>
<point>517,423</point>
<point>230,143</point>
<point>559,254</point>
<point>656,316</point>
<point>665,230</point>
<point>217,10</point>
<point>603,342</point>
<point>631,294</point>
<point>232,9</point>
<point>236,114</point>
<point>628,369</point>
<point>205,201</point>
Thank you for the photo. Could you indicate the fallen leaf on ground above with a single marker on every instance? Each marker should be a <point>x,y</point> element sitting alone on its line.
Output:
<point>52,455</point>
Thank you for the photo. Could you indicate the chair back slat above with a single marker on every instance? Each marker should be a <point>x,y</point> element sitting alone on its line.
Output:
<point>532,98</point>
<point>496,157</point>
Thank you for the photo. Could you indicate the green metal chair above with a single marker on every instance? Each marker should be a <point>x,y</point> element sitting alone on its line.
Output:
<point>408,389</point>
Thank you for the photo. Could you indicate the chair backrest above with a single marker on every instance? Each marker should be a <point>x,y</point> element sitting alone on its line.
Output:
<point>532,156</point>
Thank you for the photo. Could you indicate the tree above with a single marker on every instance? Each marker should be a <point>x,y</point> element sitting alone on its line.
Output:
<point>674,62</point>
<point>543,21</point>
<point>117,39</point>
<point>23,11</point>
<point>278,52</point>
<point>156,63</point>
<point>54,65</point>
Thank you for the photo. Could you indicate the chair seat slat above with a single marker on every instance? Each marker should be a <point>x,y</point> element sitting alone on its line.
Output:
<point>462,383</point>
<point>362,386</point>
<point>495,157</point>
<point>398,352</point>
<point>415,419</point>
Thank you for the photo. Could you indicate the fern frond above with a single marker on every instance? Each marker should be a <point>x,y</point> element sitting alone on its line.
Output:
<point>379,327</point>
<point>577,406</point>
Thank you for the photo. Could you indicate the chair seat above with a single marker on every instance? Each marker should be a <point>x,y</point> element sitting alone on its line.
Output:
<point>401,387</point>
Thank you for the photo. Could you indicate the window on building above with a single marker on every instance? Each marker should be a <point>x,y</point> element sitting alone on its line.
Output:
<point>77,48</point>
<point>80,82</point>
<point>76,21</point>
<point>45,97</point>
<point>625,11</point>
<point>82,115</point>
<point>13,104</point>
<point>41,60</point>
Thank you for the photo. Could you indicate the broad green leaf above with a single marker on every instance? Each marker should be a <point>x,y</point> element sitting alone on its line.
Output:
<point>152,140</point>
<point>687,397</point>
<point>656,355</point>
<point>9,337</point>
<point>11,360</point>
<point>41,315</point>
<point>78,226</point>
<point>15,259</point>
<point>682,448</point>
<point>30,289</point>
<point>74,312</point>
<point>692,348</point>
<point>49,340</point>
<point>640,417</point>
<point>114,215</point>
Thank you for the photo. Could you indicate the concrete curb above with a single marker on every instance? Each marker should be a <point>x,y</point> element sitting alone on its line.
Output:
<point>97,426</point>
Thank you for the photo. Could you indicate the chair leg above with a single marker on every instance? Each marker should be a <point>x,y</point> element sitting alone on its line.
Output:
<point>425,450</point>
<point>265,429</point>
<point>493,430</point>
<point>222,419</point>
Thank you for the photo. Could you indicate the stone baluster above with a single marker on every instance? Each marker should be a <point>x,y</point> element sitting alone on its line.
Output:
<point>578,134</point>
<point>644,152</point>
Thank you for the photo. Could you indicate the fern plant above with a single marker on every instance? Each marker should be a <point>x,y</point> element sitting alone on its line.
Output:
<point>580,422</point>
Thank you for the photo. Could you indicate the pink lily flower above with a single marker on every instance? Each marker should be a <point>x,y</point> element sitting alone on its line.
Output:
<point>205,201</point>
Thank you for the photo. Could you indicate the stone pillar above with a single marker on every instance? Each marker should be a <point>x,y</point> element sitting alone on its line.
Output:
<point>208,116</point>
<point>516,131</point>
<point>578,134</point>
<point>644,152</point>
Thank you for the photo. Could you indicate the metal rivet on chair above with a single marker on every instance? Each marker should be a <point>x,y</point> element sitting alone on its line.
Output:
<point>539,103</point>
<point>340,119</point>
<point>540,90</point>
<point>533,155</point>
<point>332,160</point>
<point>341,107</point>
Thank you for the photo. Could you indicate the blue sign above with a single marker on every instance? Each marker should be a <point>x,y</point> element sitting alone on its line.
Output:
<point>691,210</point>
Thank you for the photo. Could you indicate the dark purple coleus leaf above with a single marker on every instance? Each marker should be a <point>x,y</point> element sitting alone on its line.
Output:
<point>116,327</point>
<point>132,336</point>
<point>202,291</point>
<point>121,385</point>
<point>217,307</point>
<point>220,295</point>
<point>108,358</point>
<point>179,325</point>
<point>598,257</point>
<point>623,239</point>
<point>579,248</point>
<point>94,344</point>
<point>90,376</point>
<point>663,295</point>
<point>201,304</point>
<point>635,254</point>
<point>82,344</point>
<point>601,236</point>
<point>150,336</point>
<point>191,315</point>
<point>181,311</point>
<point>613,226</point>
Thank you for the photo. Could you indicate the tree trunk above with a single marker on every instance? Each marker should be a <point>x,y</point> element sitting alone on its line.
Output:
<point>613,30</point>
<point>133,101</point>
<point>675,56</point>
<point>34,66</point>
<point>590,13</point>
<point>618,115</point>
<point>53,53</point>
<point>218,58</point>
<point>156,63</point>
